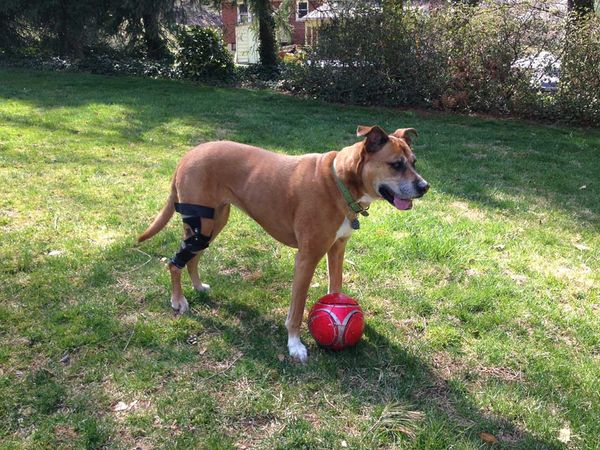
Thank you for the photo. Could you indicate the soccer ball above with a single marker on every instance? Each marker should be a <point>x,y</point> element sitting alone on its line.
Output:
<point>336,321</point>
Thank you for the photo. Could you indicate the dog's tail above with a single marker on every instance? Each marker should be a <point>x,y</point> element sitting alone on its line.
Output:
<point>163,216</point>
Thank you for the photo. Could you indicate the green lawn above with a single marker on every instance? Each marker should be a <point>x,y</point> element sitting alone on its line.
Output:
<point>481,303</point>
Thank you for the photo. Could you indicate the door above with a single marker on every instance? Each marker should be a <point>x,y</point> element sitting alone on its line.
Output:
<point>246,45</point>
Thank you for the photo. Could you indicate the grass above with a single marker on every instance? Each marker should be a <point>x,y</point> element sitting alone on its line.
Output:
<point>482,303</point>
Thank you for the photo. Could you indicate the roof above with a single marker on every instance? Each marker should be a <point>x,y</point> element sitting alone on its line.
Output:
<point>325,11</point>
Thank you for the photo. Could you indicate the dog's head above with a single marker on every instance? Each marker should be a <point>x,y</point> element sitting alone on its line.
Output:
<point>388,166</point>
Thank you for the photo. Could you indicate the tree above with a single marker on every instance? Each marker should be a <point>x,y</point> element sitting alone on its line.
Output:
<point>72,27</point>
<point>263,11</point>
<point>267,49</point>
<point>144,18</point>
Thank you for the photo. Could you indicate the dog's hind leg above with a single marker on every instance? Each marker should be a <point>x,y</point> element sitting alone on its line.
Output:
<point>192,268</point>
<point>197,234</point>
<point>220,220</point>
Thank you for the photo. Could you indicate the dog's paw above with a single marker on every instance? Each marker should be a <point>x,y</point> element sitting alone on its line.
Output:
<point>297,350</point>
<point>179,305</point>
<point>203,287</point>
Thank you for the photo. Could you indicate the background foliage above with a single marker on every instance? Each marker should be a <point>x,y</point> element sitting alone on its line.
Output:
<point>458,57</point>
<point>202,56</point>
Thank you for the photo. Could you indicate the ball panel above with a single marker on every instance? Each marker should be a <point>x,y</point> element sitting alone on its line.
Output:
<point>337,299</point>
<point>354,329</point>
<point>322,327</point>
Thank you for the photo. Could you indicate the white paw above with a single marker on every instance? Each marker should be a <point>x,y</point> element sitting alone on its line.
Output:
<point>297,349</point>
<point>180,305</point>
<point>202,288</point>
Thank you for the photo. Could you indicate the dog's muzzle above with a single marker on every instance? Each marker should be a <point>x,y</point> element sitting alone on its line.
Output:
<point>403,200</point>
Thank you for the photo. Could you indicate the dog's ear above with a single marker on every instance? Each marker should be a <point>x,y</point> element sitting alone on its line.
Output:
<point>405,133</point>
<point>376,137</point>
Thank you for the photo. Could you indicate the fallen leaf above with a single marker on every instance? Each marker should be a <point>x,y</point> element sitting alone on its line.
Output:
<point>488,438</point>
<point>281,357</point>
<point>121,406</point>
<point>564,435</point>
<point>582,247</point>
<point>202,350</point>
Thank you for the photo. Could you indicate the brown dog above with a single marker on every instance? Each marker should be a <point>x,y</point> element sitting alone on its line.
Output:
<point>309,202</point>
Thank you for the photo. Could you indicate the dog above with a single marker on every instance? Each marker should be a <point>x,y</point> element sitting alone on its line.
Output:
<point>308,202</point>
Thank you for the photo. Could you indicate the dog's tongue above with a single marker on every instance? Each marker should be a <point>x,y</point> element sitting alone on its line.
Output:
<point>402,204</point>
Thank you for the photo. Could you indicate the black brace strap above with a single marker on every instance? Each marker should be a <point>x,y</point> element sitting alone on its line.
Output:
<point>187,209</point>
<point>191,215</point>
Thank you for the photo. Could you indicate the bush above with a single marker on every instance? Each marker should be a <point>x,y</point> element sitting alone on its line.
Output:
<point>578,96</point>
<point>103,64</point>
<point>202,55</point>
<point>456,57</point>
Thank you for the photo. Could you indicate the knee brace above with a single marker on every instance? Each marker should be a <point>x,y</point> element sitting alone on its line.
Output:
<point>192,216</point>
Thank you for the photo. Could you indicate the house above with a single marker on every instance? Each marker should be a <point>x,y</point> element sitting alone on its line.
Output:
<point>314,20</point>
<point>241,37</point>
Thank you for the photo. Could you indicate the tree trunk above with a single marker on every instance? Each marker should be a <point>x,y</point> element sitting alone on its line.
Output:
<point>69,31</point>
<point>154,43</point>
<point>266,33</point>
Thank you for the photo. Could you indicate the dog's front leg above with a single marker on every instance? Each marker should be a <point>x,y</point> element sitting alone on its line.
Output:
<point>304,270</point>
<point>335,264</point>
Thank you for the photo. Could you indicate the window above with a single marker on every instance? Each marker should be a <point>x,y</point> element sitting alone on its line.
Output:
<point>242,16</point>
<point>301,10</point>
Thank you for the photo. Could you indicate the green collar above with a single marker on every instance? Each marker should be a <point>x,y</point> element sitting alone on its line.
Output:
<point>353,204</point>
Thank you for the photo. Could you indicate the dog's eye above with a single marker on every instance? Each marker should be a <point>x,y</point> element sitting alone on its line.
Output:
<point>397,165</point>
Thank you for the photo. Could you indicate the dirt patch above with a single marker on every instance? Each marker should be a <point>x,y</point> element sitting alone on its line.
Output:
<point>246,274</point>
<point>66,435</point>
<point>252,431</point>
<point>440,395</point>
<point>445,366</point>
<point>503,373</point>
<point>518,278</point>
<point>465,210</point>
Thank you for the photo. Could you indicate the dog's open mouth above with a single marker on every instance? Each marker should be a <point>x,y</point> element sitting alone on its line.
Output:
<point>400,203</point>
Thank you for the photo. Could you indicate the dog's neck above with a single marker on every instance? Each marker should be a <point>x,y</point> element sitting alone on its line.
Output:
<point>348,165</point>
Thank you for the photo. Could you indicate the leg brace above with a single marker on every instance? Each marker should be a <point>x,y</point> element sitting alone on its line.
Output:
<point>191,216</point>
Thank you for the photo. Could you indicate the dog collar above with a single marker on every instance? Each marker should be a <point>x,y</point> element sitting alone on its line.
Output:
<point>353,204</point>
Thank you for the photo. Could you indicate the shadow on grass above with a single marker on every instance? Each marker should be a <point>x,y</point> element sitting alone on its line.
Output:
<point>496,164</point>
<point>376,372</point>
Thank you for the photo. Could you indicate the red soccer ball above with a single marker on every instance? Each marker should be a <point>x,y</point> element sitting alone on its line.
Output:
<point>336,321</point>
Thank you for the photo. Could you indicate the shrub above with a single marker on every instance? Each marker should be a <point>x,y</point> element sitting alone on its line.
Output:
<point>202,56</point>
<point>456,57</point>
<point>103,64</point>
<point>578,96</point>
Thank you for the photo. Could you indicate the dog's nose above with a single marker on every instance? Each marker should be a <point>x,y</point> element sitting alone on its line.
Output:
<point>422,186</point>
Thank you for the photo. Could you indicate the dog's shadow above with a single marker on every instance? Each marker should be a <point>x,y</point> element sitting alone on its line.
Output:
<point>375,373</point>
